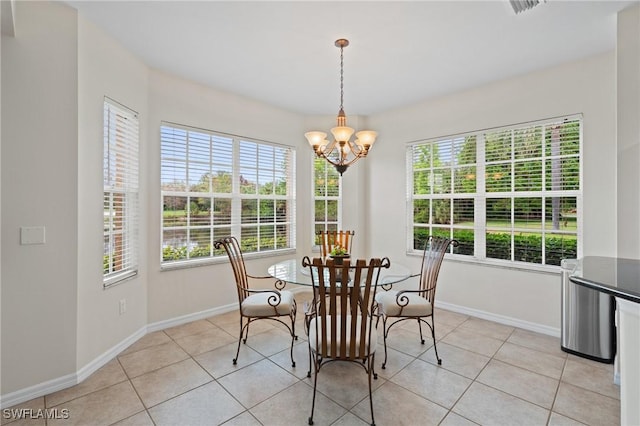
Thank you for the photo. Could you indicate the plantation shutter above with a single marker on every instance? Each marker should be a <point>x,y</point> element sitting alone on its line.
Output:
<point>120,181</point>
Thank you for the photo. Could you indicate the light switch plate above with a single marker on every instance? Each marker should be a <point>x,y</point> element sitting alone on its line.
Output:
<point>32,235</point>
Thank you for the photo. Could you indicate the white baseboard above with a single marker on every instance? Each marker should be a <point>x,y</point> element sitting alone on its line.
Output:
<point>38,390</point>
<point>162,325</point>
<point>101,360</point>
<point>73,379</point>
<point>502,319</point>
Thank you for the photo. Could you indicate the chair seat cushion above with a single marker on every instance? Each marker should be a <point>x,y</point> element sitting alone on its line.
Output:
<point>418,306</point>
<point>257,305</point>
<point>312,336</point>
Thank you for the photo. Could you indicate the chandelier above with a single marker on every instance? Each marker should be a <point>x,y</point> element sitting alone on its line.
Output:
<point>342,152</point>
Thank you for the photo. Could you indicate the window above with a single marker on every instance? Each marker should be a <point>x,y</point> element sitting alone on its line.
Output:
<point>215,185</point>
<point>509,194</point>
<point>443,189</point>
<point>327,198</point>
<point>120,181</point>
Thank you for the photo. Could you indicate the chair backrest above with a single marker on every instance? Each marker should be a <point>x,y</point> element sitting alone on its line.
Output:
<point>330,239</point>
<point>434,251</point>
<point>231,246</point>
<point>344,312</point>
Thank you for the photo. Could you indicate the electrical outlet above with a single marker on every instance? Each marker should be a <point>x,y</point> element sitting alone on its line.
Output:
<point>123,306</point>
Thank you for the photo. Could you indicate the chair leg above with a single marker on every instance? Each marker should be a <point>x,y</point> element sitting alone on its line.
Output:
<point>309,372</point>
<point>246,335</point>
<point>235,360</point>
<point>293,320</point>
<point>420,328</point>
<point>373,371</point>
<point>315,385</point>
<point>293,338</point>
<point>433,335</point>
<point>385,331</point>
<point>372,359</point>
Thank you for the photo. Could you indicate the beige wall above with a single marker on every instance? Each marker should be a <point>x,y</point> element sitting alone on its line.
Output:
<point>39,184</point>
<point>628,150</point>
<point>1,205</point>
<point>174,293</point>
<point>56,318</point>
<point>628,127</point>
<point>105,68</point>
<point>586,87</point>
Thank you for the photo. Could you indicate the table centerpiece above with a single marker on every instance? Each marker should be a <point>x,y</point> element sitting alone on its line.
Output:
<point>338,254</point>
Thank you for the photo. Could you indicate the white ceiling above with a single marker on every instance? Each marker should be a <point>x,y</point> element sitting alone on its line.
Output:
<point>283,53</point>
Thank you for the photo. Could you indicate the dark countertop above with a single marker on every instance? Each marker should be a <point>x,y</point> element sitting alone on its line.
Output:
<point>616,276</point>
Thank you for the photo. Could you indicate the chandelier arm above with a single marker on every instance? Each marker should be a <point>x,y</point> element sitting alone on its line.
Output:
<point>329,148</point>
<point>342,164</point>
<point>356,149</point>
<point>345,163</point>
<point>330,161</point>
<point>355,159</point>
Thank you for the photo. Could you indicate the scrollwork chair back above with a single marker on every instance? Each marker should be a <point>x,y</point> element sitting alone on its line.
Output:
<point>257,304</point>
<point>416,304</point>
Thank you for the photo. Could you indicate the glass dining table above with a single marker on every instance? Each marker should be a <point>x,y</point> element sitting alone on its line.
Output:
<point>291,271</point>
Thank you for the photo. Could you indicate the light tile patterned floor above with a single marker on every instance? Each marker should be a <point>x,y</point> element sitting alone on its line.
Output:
<point>491,374</point>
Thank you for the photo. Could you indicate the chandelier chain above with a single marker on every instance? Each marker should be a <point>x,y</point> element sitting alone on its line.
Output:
<point>341,77</point>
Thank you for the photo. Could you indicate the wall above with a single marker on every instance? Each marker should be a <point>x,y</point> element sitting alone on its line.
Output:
<point>173,293</point>
<point>56,319</point>
<point>586,87</point>
<point>628,161</point>
<point>105,68</point>
<point>628,107</point>
<point>1,11</point>
<point>39,184</point>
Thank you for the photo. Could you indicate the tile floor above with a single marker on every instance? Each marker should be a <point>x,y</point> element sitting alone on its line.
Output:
<point>491,374</point>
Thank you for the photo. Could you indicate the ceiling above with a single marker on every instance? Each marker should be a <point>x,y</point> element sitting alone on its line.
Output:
<point>283,53</point>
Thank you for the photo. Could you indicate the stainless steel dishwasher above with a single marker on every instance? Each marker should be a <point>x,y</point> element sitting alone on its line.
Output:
<point>587,323</point>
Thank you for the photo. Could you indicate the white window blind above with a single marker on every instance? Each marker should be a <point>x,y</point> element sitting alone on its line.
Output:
<point>511,194</point>
<point>215,185</point>
<point>120,181</point>
<point>443,183</point>
<point>327,198</point>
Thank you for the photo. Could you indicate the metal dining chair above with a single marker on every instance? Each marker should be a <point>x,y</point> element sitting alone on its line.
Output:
<point>415,304</point>
<point>340,318</point>
<point>257,304</point>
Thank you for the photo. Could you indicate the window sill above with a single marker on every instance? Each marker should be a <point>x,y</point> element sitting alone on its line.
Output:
<point>208,261</point>
<point>494,263</point>
<point>114,280</point>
